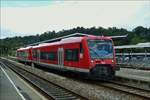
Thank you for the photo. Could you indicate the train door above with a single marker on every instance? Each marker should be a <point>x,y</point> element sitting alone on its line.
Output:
<point>38,55</point>
<point>60,57</point>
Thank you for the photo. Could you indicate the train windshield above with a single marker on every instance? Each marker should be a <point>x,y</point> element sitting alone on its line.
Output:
<point>100,49</point>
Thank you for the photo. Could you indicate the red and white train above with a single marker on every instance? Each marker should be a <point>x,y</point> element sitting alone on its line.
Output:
<point>93,56</point>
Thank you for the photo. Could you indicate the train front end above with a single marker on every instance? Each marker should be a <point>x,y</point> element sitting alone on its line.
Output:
<point>102,58</point>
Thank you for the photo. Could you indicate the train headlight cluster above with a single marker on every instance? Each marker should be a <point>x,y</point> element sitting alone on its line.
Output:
<point>92,63</point>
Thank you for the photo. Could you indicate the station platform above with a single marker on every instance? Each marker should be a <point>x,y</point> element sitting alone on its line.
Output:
<point>143,75</point>
<point>7,89</point>
<point>12,87</point>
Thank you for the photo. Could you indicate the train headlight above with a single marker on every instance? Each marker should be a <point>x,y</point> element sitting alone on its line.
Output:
<point>92,63</point>
<point>112,61</point>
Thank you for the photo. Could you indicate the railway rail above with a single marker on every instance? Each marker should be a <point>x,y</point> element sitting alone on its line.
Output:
<point>49,90</point>
<point>139,84</point>
<point>113,85</point>
<point>134,66</point>
<point>145,94</point>
<point>117,85</point>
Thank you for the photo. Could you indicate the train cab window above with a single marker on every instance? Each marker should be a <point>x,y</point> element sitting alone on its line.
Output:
<point>100,49</point>
<point>71,55</point>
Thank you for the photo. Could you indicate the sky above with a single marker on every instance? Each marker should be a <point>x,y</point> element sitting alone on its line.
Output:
<point>30,17</point>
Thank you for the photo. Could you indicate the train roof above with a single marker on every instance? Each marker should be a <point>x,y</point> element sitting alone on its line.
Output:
<point>60,38</point>
<point>71,40</point>
<point>73,35</point>
<point>24,48</point>
<point>63,41</point>
<point>46,44</point>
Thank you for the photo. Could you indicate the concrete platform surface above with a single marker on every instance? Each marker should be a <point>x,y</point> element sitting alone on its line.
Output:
<point>7,90</point>
<point>143,75</point>
<point>12,87</point>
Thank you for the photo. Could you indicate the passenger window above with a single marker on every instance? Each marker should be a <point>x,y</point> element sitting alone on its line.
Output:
<point>48,55</point>
<point>52,56</point>
<point>71,55</point>
<point>18,53</point>
<point>43,55</point>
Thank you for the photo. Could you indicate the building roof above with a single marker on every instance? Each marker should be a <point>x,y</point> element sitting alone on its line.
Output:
<point>119,37</point>
<point>24,48</point>
<point>139,45</point>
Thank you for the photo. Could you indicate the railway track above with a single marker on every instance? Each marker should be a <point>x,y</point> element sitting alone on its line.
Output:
<point>139,92</point>
<point>49,90</point>
<point>133,66</point>
<point>118,86</point>
<point>139,84</point>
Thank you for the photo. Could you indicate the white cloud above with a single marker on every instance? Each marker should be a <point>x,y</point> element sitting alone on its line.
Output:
<point>66,15</point>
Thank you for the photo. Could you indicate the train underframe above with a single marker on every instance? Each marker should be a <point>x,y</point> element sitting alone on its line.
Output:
<point>102,72</point>
<point>99,72</point>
